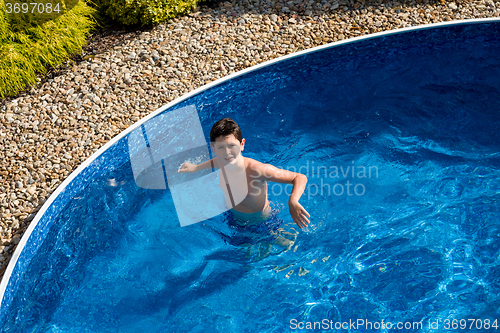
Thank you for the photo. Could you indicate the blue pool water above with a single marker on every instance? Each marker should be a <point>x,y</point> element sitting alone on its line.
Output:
<point>412,235</point>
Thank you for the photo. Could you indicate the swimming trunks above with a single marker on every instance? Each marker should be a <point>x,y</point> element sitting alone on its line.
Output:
<point>253,228</point>
<point>246,219</point>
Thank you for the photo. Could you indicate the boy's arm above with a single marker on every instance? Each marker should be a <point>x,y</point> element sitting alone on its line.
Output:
<point>190,167</point>
<point>299,181</point>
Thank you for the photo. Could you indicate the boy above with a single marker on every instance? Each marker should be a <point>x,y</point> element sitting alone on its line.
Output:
<point>227,144</point>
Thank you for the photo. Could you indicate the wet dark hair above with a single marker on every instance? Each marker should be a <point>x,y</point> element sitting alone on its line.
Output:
<point>225,127</point>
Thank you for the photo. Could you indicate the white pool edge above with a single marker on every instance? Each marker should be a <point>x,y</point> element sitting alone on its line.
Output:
<point>62,186</point>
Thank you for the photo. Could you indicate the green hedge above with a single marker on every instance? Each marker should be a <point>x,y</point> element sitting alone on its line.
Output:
<point>26,50</point>
<point>143,12</point>
<point>32,49</point>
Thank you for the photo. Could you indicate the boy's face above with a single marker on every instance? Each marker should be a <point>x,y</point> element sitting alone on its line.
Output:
<point>228,148</point>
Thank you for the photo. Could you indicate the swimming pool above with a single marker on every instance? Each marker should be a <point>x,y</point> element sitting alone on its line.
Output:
<point>397,134</point>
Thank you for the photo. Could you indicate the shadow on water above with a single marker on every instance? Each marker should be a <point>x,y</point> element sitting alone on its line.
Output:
<point>210,277</point>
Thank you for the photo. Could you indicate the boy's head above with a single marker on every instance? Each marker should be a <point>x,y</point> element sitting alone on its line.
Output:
<point>225,127</point>
<point>226,140</point>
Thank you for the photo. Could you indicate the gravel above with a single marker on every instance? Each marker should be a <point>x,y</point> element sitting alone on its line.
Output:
<point>46,132</point>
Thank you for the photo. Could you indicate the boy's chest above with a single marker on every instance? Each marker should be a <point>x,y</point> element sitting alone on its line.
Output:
<point>234,184</point>
<point>241,184</point>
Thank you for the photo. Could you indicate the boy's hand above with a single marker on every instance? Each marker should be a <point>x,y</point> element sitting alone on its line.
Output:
<point>187,167</point>
<point>298,213</point>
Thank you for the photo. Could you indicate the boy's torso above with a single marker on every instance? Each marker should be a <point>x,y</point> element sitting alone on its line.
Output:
<point>256,199</point>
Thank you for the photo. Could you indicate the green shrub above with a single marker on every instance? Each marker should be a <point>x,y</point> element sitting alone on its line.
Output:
<point>144,12</point>
<point>31,49</point>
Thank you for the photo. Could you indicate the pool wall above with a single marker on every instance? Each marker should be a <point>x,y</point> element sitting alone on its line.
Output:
<point>115,153</point>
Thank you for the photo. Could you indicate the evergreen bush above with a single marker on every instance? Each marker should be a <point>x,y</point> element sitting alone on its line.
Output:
<point>31,49</point>
<point>144,12</point>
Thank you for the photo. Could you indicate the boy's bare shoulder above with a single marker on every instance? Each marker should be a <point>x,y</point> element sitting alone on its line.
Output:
<point>250,162</point>
<point>253,165</point>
